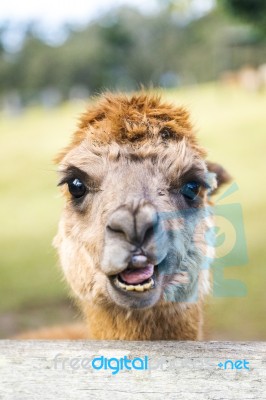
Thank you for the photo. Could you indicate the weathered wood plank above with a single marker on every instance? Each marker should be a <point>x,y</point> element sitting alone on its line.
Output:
<point>185,370</point>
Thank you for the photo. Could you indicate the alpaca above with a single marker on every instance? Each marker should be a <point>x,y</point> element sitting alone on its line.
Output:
<point>132,236</point>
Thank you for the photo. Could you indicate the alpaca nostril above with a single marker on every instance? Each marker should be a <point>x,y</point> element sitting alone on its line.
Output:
<point>148,234</point>
<point>139,260</point>
<point>121,222</point>
<point>116,230</point>
<point>137,225</point>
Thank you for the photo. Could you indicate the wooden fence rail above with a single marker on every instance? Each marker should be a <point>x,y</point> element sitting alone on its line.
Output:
<point>94,370</point>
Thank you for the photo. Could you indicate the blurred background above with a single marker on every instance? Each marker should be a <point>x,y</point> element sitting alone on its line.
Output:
<point>207,55</point>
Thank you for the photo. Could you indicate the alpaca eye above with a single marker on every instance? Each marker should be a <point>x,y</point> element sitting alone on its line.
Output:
<point>76,188</point>
<point>165,133</point>
<point>190,190</point>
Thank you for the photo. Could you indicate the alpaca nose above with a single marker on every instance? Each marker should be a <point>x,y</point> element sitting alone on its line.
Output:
<point>137,224</point>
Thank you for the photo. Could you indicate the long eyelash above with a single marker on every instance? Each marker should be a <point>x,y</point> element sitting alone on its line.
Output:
<point>91,187</point>
<point>71,172</point>
<point>203,183</point>
<point>199,180</point>
<point>69,175</point>
<point>63,181</point>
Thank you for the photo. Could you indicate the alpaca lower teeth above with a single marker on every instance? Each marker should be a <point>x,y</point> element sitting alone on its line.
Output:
<point>136,288</point>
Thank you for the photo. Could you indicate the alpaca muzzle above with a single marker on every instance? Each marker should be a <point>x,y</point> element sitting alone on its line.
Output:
<point>135,242</point>
<point>136,222</point>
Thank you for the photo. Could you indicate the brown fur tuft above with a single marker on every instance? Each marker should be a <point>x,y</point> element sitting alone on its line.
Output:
<point>139,118</point>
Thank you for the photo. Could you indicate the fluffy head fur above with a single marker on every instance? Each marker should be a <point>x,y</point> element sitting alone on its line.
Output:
<point>134,155</point>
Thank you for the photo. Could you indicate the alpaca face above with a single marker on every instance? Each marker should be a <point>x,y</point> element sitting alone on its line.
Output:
<point>133,230</point>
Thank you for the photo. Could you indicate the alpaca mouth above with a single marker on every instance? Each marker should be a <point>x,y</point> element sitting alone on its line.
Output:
<point>136,279</point>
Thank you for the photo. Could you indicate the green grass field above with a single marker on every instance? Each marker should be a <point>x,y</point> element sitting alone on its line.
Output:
<point>231,123</point>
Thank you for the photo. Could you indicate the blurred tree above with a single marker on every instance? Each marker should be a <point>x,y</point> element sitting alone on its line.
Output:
<point>125,48</point>
<point>253,11</point>
<point>176,5</point>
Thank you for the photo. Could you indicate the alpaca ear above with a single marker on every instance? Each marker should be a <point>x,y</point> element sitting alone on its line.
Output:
<point>222,176</point>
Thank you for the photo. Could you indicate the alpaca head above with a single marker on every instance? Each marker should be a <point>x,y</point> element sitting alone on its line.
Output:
<point>133,231</point>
